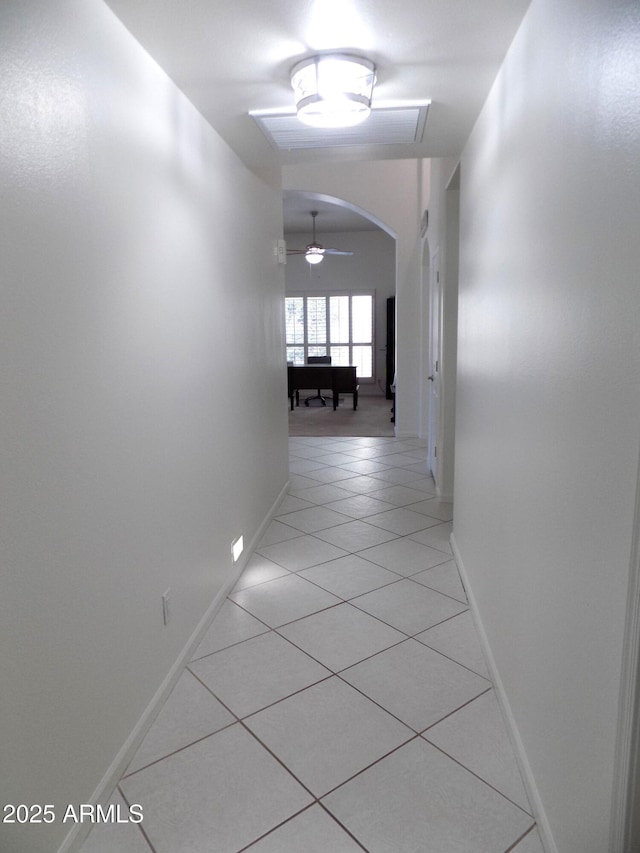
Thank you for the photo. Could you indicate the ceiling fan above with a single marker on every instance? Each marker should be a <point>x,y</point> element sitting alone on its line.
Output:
<point>315,252</point>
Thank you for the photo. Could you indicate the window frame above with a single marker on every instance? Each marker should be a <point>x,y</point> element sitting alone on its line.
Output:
<point>306,346</point>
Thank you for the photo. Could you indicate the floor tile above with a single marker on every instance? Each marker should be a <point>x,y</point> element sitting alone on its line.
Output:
<point>399,460</point>
<point>402,521</point>
<point>305,451</point>
<point>325,447</point>
<point>336,458</point>
<point>418,452</point>
<point>436,537</point>
<point>477,737</point>
<point>398,476</point>
<point>258,570</point>
<point>457,638</point>
<point>376,597</point>
<point>398,495</point>
<point>318,441</point>
<point>304,466</point>
<point>290,503</point>
<point>278,532</point>
<point>419,801</point>
<point>313,831</point>
<point>314,518</point>
<point>421,468</point>
<point>361,485</point>
<point>373,440</point>
<point>408,606</point>
<point>187,807</point>
<point>349,576</point>
<point>530,844</point>
<point>364,466</point>
<point>444,578</point>
<point>341,636</point>
<point>434,508</point>
<point>251,675</point>
<point>283,600</point>
<point>355,535</point>
<point>327,733</point>
<point>231,625</point>
<point>371,452</point>
<point>398,445</point>
<point>418,688</point>
<point>189,714</point>
<point>111,836</point>
<point>359,506</point>
<point>421,483</point>
<point>350,443</point>
<point>320,494</point>
<point>332,475</point>
<point>405,556</point>
<point>323,444</point>
<point>301,553</point>
<point>299,481</point>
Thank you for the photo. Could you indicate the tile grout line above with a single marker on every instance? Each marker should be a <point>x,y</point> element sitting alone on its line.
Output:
<point>473,773</point>
<point>342,826</point>
<point>338,674</point>
<point>139,826</point>
<point>512,849</point>
<point>333,672</point>
<point>277,827</point>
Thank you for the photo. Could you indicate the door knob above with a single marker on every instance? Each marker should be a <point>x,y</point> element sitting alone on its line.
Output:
<point>430,378</point>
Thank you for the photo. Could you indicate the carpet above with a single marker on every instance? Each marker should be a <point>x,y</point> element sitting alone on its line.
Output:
<point>372,417</point>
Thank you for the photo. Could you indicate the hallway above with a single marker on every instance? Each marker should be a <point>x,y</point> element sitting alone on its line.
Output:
<point>340,700</point>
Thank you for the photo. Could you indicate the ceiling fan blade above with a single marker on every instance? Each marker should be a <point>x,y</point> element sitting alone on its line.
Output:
<point>314,248</point>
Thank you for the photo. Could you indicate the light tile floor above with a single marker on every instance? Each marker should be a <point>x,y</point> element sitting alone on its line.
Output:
<point>340,701</point>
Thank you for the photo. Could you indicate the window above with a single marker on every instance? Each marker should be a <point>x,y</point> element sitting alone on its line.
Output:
<point>339,325</point>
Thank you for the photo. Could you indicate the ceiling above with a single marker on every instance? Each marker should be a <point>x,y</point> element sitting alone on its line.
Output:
<point>332,218</point>
<point>231,57</point>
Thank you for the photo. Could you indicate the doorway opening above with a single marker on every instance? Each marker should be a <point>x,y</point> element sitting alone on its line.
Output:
<point>338,309</point>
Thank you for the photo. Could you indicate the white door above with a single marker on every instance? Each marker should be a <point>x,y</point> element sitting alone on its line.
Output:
<point>435,361</point>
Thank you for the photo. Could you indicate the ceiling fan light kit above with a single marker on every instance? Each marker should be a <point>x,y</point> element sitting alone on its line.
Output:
<point>315,252</point>
<point>333,90</point>
<point>314,255</point>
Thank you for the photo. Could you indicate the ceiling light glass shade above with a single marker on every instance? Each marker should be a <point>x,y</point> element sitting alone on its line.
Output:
<point>333,90</point>
<point>314,255</point>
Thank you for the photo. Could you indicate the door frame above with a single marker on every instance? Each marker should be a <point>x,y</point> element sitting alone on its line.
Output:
<point>434,361</point>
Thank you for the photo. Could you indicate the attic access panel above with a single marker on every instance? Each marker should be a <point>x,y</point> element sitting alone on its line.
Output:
<point>385,126</point>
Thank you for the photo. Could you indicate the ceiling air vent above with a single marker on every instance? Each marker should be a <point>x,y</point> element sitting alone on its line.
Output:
<point>393,125</point>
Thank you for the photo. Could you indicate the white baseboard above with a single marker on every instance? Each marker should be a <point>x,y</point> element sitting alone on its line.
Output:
<point>107,784</point>
<point>533,794</point>
<point>625,802</point>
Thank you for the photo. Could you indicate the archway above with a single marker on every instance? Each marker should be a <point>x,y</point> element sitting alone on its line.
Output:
<point>368,276</point>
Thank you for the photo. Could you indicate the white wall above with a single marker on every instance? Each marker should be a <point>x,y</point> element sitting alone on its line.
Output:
<point>141,334</point>
<point>371,268</point>
<point>395,193</point>
<point>548,403</point>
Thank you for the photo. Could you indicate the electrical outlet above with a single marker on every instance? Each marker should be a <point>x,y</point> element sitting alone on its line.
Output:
<point>166,612</point>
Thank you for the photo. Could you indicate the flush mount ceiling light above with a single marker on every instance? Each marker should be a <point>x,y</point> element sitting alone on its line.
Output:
<point>333,90</point>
